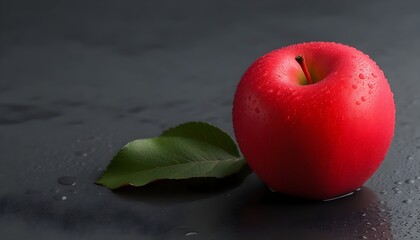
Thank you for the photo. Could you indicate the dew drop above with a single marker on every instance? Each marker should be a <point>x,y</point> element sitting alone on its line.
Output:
<point>63,198</point>
<point>371,85</point>
<point>374,75</point>
<point>361,76</point>
<point>67,180</point>
<point>357,103</point>
<point>354,86</point>
<point>370,91</point>
<point>190,234</point>
<point>398,182</point>
<point>363,98</point>
<point>408,201</point>
<point>271,91</point>
<point>409,157</point>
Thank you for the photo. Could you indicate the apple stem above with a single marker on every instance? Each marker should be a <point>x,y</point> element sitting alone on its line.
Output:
<point>302,64</point>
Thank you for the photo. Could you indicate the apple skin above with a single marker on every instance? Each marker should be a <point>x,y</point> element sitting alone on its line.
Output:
<point>319,140</point>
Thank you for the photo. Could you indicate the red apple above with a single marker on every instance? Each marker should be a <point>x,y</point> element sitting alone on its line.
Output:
<point>315,119</point>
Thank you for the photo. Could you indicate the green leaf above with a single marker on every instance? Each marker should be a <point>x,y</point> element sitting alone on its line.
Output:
<point>194,149</point>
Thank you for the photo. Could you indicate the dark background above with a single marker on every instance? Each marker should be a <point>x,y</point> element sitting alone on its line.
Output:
<point>79,79</point>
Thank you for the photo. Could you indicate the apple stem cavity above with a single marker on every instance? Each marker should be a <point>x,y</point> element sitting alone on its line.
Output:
<point>301,60</point>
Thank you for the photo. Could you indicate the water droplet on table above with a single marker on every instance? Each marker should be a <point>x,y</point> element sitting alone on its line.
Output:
<point>190,234</point>
<point>408,201</point>
<point>410,181</point>
<point>67,180</point>
<point>55,190</point>
<point>398,182</point>
<point>396,190</point>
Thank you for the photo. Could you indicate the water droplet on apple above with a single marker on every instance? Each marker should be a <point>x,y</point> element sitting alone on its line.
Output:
<point>361,76</point>
<point>371,85</point>
<point>354,86</point>
<point>374,75</point>
<point>257,110</point>
<point>357,103</point>
<point>271,91</point>
<point>370,91</point>
<point>363,98</point>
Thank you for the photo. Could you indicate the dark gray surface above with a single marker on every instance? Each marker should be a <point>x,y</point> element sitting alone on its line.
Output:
<point>80,79</point>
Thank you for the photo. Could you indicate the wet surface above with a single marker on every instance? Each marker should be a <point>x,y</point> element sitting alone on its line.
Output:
<point>79,80</point>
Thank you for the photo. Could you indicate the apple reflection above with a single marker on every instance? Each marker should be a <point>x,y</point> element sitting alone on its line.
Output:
<point>271,215</point>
